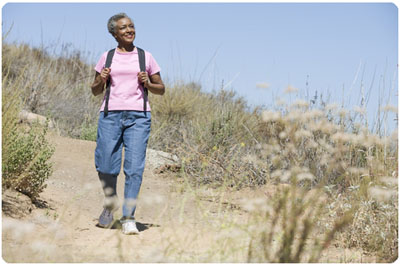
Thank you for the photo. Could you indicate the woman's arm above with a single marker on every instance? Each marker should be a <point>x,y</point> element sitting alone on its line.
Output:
<point>153,83</point>
<point>98,85</point>
<point>99,81</point>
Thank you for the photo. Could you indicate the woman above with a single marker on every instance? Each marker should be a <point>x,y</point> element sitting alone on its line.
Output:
<point>127,122</point>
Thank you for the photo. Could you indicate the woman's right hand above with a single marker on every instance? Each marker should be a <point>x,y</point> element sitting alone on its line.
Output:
<point>105,73</point>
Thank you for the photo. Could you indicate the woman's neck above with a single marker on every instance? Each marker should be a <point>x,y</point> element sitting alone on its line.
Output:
<point>126,47</point>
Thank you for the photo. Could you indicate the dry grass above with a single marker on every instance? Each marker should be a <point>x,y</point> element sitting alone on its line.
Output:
<point>224,145</point>
<point>56,87</point>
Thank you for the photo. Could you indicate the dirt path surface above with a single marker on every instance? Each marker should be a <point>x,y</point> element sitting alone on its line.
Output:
<point>176,225</point>
<point>65,230</point>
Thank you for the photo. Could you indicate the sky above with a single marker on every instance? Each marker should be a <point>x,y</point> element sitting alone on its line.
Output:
<point>337,50</point>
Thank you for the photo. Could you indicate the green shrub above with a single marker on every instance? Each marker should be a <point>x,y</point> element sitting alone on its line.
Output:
<point>25,162</point>
<point>88,131</point>
<point>25,151</point>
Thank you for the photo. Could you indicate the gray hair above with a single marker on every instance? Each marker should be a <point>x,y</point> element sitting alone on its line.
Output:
<point>112,22</point>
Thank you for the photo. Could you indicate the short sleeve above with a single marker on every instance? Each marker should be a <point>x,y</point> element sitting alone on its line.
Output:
<point>152,66</point>
<point>101,63</point>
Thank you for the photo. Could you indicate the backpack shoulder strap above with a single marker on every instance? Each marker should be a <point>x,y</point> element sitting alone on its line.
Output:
<point>110,55</point>
<point>142,65</point>
<point>142,59</point>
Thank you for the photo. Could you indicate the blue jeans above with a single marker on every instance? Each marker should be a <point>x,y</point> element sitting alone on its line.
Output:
<point>130,129</point>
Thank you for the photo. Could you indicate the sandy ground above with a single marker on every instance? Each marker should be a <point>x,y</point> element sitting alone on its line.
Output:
<point>176,224</point>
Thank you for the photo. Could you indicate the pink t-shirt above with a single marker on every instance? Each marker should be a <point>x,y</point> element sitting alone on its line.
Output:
<point>126,90</point>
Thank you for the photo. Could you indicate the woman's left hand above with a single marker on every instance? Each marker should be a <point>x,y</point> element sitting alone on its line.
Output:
<point>143,78</point>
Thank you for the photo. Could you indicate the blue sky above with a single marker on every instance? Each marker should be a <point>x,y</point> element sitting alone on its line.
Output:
<point>334,49</point>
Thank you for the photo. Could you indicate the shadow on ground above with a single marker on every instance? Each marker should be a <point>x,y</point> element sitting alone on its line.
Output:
<point>140,226</point>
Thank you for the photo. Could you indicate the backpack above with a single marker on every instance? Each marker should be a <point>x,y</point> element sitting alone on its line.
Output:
<point>142,65</point>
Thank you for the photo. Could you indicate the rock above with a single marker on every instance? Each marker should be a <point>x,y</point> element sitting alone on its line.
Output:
<point>29,117</point>
<point>159,161</point>
<point>15,204</point>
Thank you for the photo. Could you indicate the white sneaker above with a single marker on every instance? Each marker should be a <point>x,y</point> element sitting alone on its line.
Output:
<point>129,228</point>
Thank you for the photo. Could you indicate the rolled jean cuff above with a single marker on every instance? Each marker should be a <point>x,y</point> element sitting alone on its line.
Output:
<point>125,219</point>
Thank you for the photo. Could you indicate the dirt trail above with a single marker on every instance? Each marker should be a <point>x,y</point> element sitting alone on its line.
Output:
<point>65,230</point>
<point>176,224</point>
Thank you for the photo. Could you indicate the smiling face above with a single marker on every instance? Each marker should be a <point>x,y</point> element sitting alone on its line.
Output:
<point>125,31</point>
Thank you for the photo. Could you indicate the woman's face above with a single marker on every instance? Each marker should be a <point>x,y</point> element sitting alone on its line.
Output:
<point>125,31</point>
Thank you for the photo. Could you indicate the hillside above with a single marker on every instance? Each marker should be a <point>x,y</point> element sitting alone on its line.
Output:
<point>299,182</point>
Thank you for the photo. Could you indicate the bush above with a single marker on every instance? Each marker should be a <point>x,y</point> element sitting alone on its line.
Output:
<point>25,151</point>
<point>88,131</point>
<point>25,162</point>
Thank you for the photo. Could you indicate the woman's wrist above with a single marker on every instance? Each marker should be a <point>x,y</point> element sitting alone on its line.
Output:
<point>101,80</point>
<point>156,88</point>
<point>148,84</point>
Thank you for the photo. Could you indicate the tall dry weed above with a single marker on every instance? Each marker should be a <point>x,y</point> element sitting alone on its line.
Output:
<point>285,230</point>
